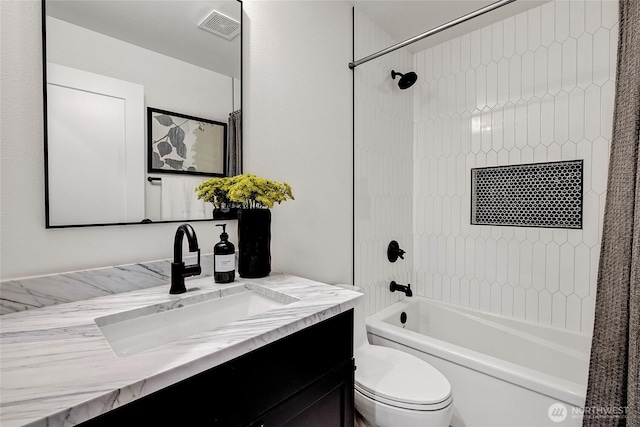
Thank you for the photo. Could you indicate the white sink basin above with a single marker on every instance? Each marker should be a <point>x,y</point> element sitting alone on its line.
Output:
<point>137,330</point>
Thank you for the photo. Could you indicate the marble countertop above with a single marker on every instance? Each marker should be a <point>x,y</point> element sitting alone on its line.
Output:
<point>57,369</point>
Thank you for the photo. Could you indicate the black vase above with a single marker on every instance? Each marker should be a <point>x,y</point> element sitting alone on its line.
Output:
<point>254,243</point>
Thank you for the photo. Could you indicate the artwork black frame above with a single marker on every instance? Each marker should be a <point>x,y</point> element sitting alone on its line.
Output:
<point>164,148</point>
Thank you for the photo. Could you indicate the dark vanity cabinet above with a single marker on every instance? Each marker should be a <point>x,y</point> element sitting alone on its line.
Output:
<point>305,379</point>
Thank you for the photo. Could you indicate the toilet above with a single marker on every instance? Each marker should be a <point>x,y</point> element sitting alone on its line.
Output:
<point>394,388</point>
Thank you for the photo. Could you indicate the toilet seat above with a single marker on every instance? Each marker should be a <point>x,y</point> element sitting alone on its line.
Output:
<point>399,379</point>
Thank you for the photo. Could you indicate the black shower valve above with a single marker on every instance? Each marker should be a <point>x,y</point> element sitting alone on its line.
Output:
<point>394,252</point>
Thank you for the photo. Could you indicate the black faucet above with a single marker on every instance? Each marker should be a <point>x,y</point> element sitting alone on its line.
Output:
<point>178,270</point>
<point>396,287</point>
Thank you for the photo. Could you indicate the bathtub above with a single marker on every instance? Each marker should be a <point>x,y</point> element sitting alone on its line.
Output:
<point>503,371</point>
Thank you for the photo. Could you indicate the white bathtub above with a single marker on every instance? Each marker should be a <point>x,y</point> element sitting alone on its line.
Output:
<point>504,372</point>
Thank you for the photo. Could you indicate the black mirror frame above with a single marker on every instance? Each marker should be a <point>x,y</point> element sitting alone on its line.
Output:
<point>218,214</point>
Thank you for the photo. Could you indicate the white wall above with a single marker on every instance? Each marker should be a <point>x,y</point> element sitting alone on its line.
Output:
<point>297,125</point>
<point>297,128</point>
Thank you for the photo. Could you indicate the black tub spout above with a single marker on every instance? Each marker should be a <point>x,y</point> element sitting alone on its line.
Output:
<point>393,286</point>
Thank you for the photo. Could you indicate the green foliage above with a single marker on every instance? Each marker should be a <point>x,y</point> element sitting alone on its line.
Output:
<point>244,191</point>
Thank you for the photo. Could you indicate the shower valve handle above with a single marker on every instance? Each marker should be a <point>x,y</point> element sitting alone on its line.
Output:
<point>394,252</point>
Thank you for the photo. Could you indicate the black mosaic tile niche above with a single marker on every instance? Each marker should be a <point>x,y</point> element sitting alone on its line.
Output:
<point>529,195</point>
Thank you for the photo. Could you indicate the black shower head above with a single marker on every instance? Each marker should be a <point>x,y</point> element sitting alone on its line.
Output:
<point>406,80</point>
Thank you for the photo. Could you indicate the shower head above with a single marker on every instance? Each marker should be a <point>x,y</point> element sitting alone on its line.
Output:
<point>406,80</point>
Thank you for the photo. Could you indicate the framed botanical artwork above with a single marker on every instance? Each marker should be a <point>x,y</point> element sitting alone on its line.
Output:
<point>183,144</point>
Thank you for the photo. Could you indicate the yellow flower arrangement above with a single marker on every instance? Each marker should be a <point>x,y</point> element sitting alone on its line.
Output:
<point>244,191</point>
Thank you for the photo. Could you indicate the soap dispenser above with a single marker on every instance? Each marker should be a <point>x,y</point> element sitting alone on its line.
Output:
<point>224,258</point>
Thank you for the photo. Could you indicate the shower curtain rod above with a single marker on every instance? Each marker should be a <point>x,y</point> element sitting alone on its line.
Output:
<point>460,20</point>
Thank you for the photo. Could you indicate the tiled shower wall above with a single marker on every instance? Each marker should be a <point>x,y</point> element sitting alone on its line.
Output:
<point>535,87</point>
<point>383,167</point>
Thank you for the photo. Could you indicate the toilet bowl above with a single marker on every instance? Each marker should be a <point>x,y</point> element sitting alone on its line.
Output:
<point>394,388</point>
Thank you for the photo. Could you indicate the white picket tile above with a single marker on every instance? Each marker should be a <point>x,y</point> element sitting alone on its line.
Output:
<point>567,268</point>
<point>465,51</point>
<point>481,87</point>
<point>561,117</point>
<point>539,266</point>
<point>545,310</point>
<point>533,122</point>
<point>515,78</point>
<point>547,24</point>
<point>475,48</point>
<point>601,47</point>
<point>563,15</point>
<point>474,293</point>
<point>521,32</point>
<point>492,84</point>
<point>559,310</point>
<point>609,13</point>
<point>519,303</point>
<point>582,270</point>
<point>485,296</point>
<point>502,261</point>
<point>576,114</point>
<point>554,64</point>
<point>576,19</point>
<point>528,71</point>
<point>592,15</point>
<point>574,313</point>
<point>508,123</point>
<point>509,36</point>
<point>534,27</point>
<point>552,267</point>
<point>585,60</point>
<point>592,112</point>
<point>532,304</point>
<point>486,44</point>
<point>569,64</point>
<point>506,300</point>
<point>540,72</point>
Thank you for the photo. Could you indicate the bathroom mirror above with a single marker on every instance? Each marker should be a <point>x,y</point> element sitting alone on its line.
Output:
<point>105,64</point>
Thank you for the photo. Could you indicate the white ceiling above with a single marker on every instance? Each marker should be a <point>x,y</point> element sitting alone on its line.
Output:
<point>170,26</point>
<point>404,19</point>
<point>167,27</point>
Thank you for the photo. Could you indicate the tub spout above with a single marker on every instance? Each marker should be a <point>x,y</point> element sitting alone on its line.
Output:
<point>393,286</point>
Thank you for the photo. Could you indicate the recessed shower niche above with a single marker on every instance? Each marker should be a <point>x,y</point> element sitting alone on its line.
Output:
<point>531,195</point>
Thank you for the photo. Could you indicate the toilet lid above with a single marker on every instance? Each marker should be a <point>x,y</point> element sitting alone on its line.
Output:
<point>401,379</point>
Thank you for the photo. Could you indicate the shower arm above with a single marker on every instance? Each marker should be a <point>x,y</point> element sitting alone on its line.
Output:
<point>432,31</point>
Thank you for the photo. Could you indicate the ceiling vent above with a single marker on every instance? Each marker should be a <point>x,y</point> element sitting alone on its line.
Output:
<point>220,25</point>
